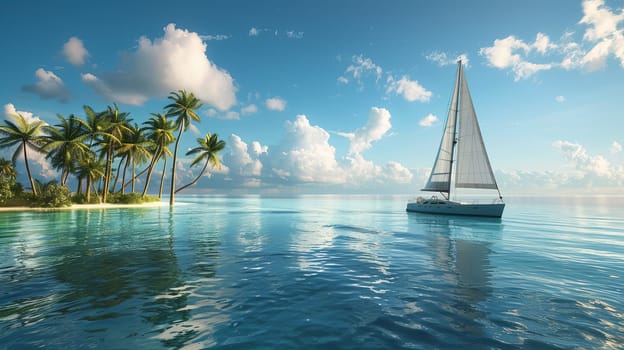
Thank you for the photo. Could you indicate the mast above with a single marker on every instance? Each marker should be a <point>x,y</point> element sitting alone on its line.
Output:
<point>456,112</point>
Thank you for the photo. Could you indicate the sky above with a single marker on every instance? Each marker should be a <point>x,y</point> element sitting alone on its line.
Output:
<point>337,96</point>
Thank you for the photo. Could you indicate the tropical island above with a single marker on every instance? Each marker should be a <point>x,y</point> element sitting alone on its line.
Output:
<point>102,152</point>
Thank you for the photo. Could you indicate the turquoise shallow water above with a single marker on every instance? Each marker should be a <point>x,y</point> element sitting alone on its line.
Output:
<point>314,272</point>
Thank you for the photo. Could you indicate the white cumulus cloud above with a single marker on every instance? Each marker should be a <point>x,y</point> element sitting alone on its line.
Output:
<point>524,69</point>
<point>396,172</point>
<point>596,58</point>
<point>501,54</point>
<point>615,147</point>
<point>377,126</point>
<point>305,154</point>
<point>239,159</point>
<point>583,162</point>
<point>428,120</point>
<point>9,111</point>
<point>258,149</point>
<point>601,20</point>
<point>75,52</point>
<point>603,37</point>
<point>275,104</point>
<point>512,53</point>
<point>362,172</point>
<point>543,43</point>
<point>48,86</point>
<point>411,90</point>
<point>173,62</point>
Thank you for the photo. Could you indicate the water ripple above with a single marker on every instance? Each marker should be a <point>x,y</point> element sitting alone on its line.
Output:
<point>350,274</point>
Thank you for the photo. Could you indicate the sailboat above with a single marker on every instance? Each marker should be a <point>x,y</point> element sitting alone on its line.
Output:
<point>462,162</point>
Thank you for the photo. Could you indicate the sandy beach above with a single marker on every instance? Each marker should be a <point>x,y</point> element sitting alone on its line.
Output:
<point>88,206</point>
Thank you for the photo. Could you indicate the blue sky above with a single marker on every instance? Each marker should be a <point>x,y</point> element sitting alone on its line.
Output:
<point>338,96</point>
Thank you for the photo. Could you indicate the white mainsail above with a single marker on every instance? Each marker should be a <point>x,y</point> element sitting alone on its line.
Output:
<point>472,166</point>
<point>440,178</point>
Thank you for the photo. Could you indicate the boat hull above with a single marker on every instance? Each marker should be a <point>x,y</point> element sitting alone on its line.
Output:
<point>456,208</point>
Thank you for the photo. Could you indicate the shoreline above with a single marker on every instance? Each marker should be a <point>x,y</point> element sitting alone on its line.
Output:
<point>88,206</point>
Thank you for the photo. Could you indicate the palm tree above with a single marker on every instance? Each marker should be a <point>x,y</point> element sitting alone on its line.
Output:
<point>23,134</point>
<point>7,168</point>
<point>116,124</point>
<point>160,131</point>
<point>208,149</point>
<point>65,144</point>
<point>135,147</point>
<point>91,169</point>
<point>95,126</point>
<point>183,107</point>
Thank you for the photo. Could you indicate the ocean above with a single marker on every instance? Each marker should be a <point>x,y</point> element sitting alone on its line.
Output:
<point>314,272</point>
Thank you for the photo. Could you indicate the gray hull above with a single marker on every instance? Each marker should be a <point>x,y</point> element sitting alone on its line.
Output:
<point>455,208</point>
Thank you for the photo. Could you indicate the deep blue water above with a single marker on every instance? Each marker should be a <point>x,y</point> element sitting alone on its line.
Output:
<point>314,272</point>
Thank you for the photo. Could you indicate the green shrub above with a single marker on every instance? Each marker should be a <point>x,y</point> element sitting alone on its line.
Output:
<point>130,198</point>
<point>6,189</point>
<point>11,192</point>
<point>17,188</point>
<point>53,195</point>
<point>151,199</point>
<point>127,198</point>
<point>80,198</point>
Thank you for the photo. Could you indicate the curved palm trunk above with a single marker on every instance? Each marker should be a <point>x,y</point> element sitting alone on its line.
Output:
<point>96,194</point>
<point>123,178</point>
<point>117,176</point>
<point>132,187</point>
<point>136,176</point>
<point>196,179</point>
<point>79,187</point>
<point>149,172</point>
<point>162,178</point>
<point>64,175</point>
<point>173,168</point>
<point>88,189</point>
<point>32,183</point>
<point>64,182</point>
<point>107,173</point>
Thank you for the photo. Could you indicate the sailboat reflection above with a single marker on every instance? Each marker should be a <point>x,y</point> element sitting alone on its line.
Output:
<point>459,248</point>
